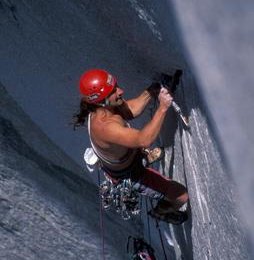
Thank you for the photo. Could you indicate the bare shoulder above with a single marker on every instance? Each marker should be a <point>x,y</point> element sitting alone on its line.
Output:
<point>111,130</point>
<point>115,120</point>
<point>101,123</point>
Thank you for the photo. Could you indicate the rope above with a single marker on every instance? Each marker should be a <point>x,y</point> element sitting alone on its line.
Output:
<point>101,219</point>
<point>159,231</point>
<point>148,223</point>
<point>181,138</point>
<point>154,106</point>
<point>162,243</point>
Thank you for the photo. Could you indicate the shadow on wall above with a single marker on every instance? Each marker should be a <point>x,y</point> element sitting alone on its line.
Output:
<point>187,97</point>
<point>181,234</point>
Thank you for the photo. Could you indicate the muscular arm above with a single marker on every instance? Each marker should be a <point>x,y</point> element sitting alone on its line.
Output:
<point>138,104</point>
<point>115,133</point>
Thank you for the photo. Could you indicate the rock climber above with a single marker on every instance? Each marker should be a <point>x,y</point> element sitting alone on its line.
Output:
<point>121,148</point>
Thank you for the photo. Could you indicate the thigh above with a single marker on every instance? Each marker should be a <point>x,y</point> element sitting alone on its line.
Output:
<point>161,184</point>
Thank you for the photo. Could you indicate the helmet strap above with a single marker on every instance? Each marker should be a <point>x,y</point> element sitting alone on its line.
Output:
<point>105,102</point>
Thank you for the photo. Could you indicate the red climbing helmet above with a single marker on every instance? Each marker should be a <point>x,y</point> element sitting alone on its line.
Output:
<point>96,85</point>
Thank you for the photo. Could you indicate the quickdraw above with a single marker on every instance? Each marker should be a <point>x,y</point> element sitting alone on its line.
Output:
<point>141,249</point>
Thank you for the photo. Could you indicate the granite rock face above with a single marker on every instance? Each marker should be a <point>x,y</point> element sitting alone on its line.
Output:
<point>46,45</point>
<point>46,210</point>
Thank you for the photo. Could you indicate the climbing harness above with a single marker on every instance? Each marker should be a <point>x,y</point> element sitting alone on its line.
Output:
<point>140,249</point>
<point>121,196</point>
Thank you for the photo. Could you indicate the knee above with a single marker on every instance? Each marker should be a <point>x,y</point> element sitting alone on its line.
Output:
<point>177,194</point>
<point>183,193</point>
<point>184,197</point>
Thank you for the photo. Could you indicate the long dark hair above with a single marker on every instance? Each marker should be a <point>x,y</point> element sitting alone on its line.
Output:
<point>80,118</point>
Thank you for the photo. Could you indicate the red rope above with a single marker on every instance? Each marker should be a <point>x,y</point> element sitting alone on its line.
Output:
<point>101,220</point>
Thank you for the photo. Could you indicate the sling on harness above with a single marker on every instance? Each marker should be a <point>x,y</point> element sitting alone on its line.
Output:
<point>121,196</point>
